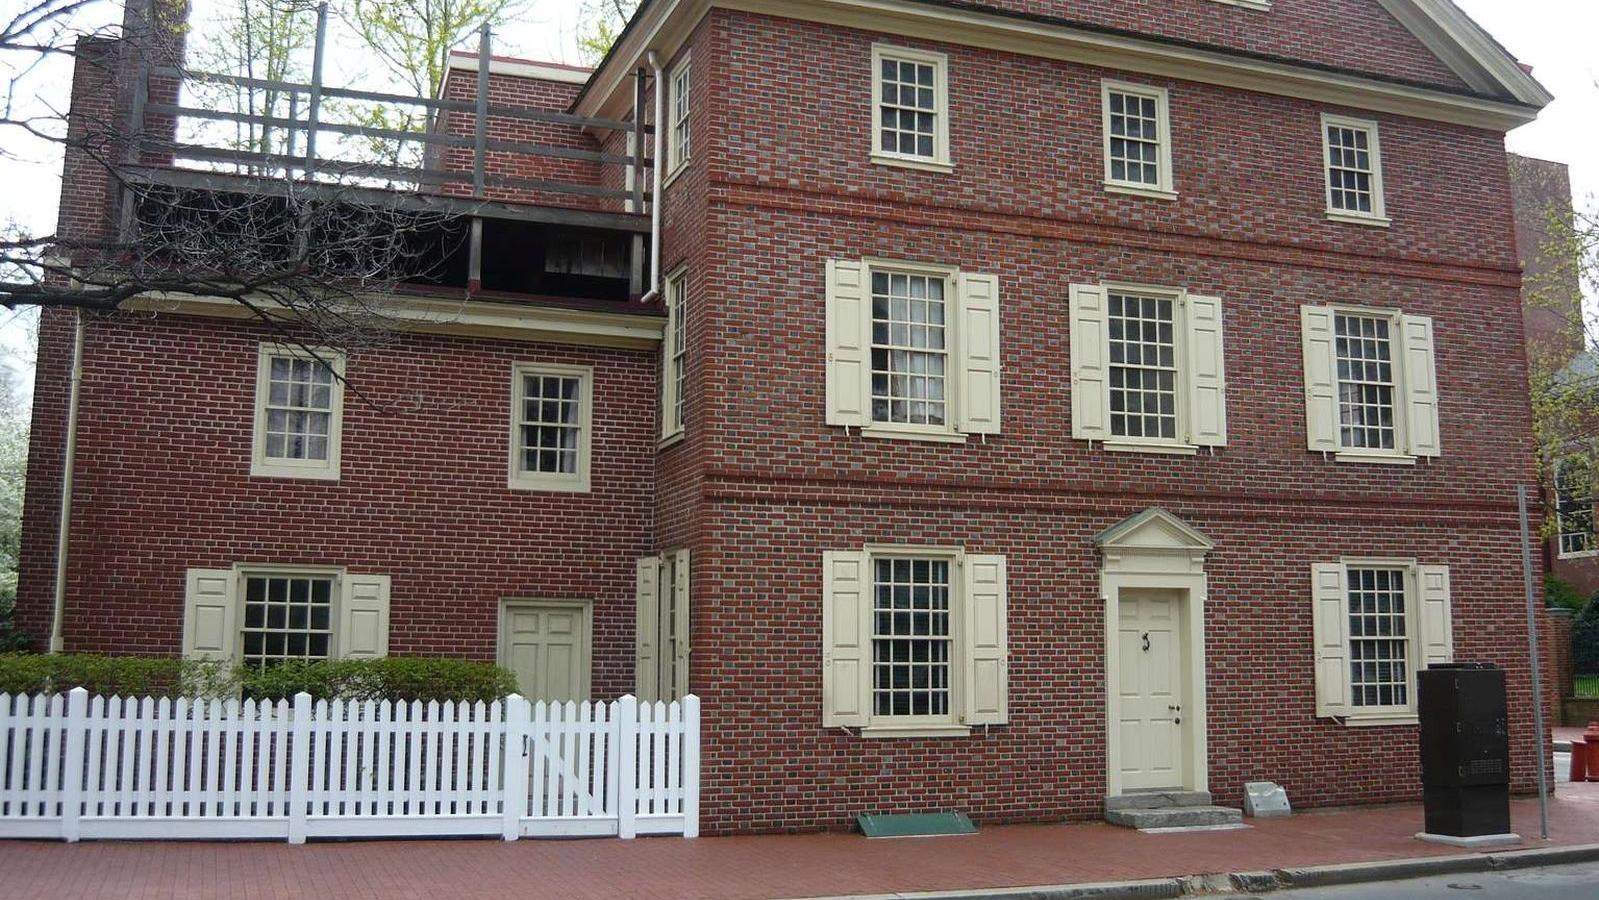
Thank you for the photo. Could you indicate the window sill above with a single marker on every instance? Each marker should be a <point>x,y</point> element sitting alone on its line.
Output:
<point>1379,459</point>
<point>1379,721</point>
<point>1336,215</point>
<point>1137,190</point>
<point>675,174</point>
<point>291,473</point>
<point>906,434</point>
<point>1579,554</point>
<point>915,731</point>
<point>908,162</point>
<point>1262,5</point>
<point>534,486</point>
<point>1163,449</point>
<point>672,440</point>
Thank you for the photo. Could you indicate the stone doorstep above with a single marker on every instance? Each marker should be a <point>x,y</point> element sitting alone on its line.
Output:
<point>1175,817</point>
<point>1157,799</point>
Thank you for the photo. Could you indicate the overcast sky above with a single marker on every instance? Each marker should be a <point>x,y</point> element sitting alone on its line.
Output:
<point>1559,38</point>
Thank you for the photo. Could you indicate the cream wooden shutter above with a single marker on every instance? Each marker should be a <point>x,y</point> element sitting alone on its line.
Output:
<point>1421,386</point>
<point>1090,347</point>
<point>1330,608</point>
<point>846,639</point>
<point>987,661</point>
<point>647,600</point>
<point>1436,630</point>
<point>680,612</point>
<point>849,344</point>
<point>1321,379</point>
<point>1207,372</point>
<point>210,614</point>
<point>364,618</point>
<point>977,343</point>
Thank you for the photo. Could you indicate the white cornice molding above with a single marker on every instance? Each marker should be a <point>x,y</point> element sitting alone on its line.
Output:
<point>666,24</point>
<point>1467,49</point>
<point>506,321</point>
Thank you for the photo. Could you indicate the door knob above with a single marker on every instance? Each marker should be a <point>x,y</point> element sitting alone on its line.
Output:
<point>1146,642</point>
<point>1174,708</point>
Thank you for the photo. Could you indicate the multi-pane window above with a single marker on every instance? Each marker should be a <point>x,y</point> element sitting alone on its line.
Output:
<point>674,381</point>
<point>1136,152</point>
<point>298,400</point>
<point>550,429</point>
<point>911,106</point>
<point>910,349</point>
<point>1366,385</point>
<point>286,617</point>
<point>1354,168</point>
<point>910,637</point>
<point>1379,638</point>
<point>1143,366</point>
<point>1574,505</point>
<point>681,143</point>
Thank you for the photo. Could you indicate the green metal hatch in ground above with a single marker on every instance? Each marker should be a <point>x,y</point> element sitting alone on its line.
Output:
<point>915,825</point>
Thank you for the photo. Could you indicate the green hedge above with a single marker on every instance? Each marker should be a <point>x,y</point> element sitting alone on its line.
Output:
<point>1559,593</point>
<point>394,678</point>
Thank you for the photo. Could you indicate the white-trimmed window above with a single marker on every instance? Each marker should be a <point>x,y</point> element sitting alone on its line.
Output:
<point>1138,154</point>
<point>1248,4</point>
<point>912,349</point>
<point>914,641</point>
<point>262,615</point>
<point>680,137</point>
<point>551,434</point>
<point>661,639</point>
<point>1352,159</point>
<point>1148,368</point>
<point>1574,506</point>
<point>299,411</point>
<point>1371,389</point>
<point>674,357</point>
<point>1377,622</point>
<point>910,91</point>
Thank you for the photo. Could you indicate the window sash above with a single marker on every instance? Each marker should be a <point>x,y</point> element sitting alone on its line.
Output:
<point>914,651</point>
<point>675,353</point>
<point>286,616</point>
<point>1144,372</point>
<point>1368,379</point>
<point>910,348</point>
<point>1352,168</point>
<point>1574,511</point>
<point>1381,638</point>
<point>551,431</point>
<point>1136,134</point>
<point>682,135</point>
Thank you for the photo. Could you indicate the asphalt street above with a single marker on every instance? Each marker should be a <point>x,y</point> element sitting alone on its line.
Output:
<point>1580,882</point>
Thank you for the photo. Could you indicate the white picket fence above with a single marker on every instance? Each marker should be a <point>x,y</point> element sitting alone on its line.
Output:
<point>74,766</point>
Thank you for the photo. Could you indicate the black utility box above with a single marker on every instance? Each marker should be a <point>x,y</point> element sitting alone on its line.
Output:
<point>1465,749</point>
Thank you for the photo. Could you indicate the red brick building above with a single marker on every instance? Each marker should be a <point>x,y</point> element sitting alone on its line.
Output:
<point>1037,402</point>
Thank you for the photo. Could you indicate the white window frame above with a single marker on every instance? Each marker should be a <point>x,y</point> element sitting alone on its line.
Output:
<point>674,358</point>
<point>244,572</point>
<point>262,466</point>
<point>1179,444</point>
<point>1164,190</point>
<point>940,160</point>
<point>680,136</point>
<point>1401,449</point>
<point>1414,649</point>
<point>950,430</point>
<point>1379,207</point>
<point>949,725</point>
<point>579,482</point>
<point>1561,533</point>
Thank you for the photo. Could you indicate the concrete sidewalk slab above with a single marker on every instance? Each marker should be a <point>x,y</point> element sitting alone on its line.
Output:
<point>1013,860</point>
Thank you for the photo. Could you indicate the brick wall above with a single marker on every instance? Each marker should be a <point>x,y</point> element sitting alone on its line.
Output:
<point>1556,645</point>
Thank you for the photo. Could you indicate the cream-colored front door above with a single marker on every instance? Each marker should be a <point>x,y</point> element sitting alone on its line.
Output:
<point>547,647</point>
<point>1150,657</point>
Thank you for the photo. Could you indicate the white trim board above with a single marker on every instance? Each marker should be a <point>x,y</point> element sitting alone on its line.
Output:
<point>664,25</point>
<point>523,68</point>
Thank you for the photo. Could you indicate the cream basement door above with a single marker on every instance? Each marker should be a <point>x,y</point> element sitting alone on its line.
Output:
<point>1151,667</point>
<point>547,647</point>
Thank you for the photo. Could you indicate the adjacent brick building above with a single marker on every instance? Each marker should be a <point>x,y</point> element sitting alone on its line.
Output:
<point>1099,400</point>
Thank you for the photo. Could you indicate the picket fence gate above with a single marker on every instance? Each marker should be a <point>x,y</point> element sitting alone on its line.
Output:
<point>74,766</point>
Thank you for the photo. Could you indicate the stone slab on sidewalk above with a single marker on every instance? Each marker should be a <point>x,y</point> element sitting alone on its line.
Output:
<point>741,868</point>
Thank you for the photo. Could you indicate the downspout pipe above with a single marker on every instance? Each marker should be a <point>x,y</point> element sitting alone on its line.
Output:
<point>69,458</point>
<point>658,163</point>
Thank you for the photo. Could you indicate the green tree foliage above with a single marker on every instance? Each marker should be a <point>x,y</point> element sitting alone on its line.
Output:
<point>413,38</point>
<point>600,23</point>
<point>13,478</point>
<point>265,39</point>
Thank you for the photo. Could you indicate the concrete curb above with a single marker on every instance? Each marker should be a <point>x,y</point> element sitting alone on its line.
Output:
<point>1265,882</point>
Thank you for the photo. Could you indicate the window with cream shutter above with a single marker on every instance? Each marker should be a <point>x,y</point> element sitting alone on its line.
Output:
<point>914,641</point>
<point>662,642</point>
<point>1376,623</point>
<point>913,350</point>
<point>1148,368</point>
<point>1371,386</point>
<point>260,616</point>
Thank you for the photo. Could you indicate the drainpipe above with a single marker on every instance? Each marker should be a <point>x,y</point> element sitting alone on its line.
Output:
<point>64,525</point>
<point>659,164</point>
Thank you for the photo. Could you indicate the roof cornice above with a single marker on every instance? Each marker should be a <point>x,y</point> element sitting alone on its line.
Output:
<point>663,25</point>
<point>1466,48</point>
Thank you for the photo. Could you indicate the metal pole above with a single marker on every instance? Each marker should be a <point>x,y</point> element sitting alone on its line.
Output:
<point>1537,667</point>
<point>314,106</point>
<point>480,144</point>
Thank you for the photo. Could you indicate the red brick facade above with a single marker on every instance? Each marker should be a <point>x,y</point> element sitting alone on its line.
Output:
<point>779,183</point>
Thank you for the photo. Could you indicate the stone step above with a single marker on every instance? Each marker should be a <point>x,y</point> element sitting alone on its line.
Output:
<point>1175,817</point>
<point>1157,800</point>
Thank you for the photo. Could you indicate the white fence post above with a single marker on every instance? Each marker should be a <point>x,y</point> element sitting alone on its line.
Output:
<point>518,720</point>
<point>72,771</point>
<point>691,766</point>
<point>625,729</point>
<point>299,767</point>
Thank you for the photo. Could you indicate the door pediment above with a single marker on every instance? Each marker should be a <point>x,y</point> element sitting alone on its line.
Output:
<point>1153,529</point>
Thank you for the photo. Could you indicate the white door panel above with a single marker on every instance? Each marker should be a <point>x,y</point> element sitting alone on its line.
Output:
<point>547,648</point>
<point>1151,691</point>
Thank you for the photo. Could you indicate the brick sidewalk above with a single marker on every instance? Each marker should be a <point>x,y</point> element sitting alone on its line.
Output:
<point>739,867</point>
